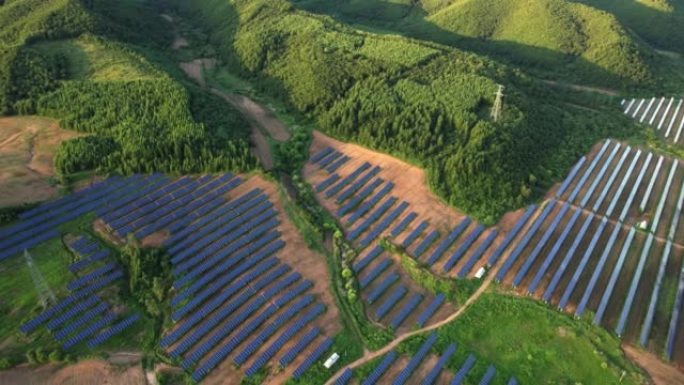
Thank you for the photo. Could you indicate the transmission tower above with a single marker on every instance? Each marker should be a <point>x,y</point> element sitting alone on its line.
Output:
<point>498,104</point>
<point>45,295</point>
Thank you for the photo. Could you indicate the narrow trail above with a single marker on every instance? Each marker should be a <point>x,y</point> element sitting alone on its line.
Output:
<point>579,87</point>
<point>368,356</point>
<point>31,154</point>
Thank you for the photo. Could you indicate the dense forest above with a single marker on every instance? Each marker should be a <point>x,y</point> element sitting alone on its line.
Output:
<point>73,60</point>
<point>420,101</point>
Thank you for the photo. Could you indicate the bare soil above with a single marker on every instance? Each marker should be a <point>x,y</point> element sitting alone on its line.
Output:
<point>88,372</point>
<point>660,372</point>
<point>27,149</point>
<point>195,69</point>
<point>261,115</point>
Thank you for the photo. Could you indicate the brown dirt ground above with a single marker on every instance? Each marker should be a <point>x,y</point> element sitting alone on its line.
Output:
<point>89,372</point>
<point>410,181</point>
<point>660,372</point>
<point>194,69</point>
<point>260,114</point>
<point>27,149</point>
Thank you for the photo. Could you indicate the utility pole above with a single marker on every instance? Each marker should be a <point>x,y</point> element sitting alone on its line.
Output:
<point>498,104</point>
<point>45,295</point>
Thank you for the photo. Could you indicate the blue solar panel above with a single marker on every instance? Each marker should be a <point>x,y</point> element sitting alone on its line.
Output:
<point>382,287</point>
<point>358,198</point>
<point>382,367</point>
<point>522,272</point>
<point>551,256</point>
<point>344,378</point>
<point>570,177</point>
<point>369,204</point>
<point>588,172</point>
<point>370,257</point>
<point>511,235</point>
<point>406,310</point>
<point>356,186</point>
<point>114,330</point>
<point>430,310</point>
<point>415,361</point>
<point>349,179</point>
<point>448,241</point>
<point>477,254</point>
<point>89,330</point>
<point>463,371</point>
<point>566,260</point>
<point>614,277</point>
<point>88,316</point>
<point>327,183</point>
<point>675,318</point>
<point>425,243</point>
<point>627,306</point>
<point>377,270</point>
<point>321,154</point>
<point>383,225</point>
<point>303,342</point>
<point>372,218</point>
<point>78,308</point>
<point>488,376</point>
<point>398,229</point>
<point>271,328</point>
<point>329,159</point>
<point>434,373</point>
<point>283,338</point>
<point>463,248</point>
<point>599,177</point>
<point>524,241</point>
<point>312,358</point>
<point>650,314</point>
<point>414,234</point>
<point>390,302</point>
<point>334,166</point>
<point>597,271</point>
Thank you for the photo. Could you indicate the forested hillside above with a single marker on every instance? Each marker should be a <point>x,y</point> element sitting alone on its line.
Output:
<point>554,37</point>
<point>419,101</point>
<point>72,60</point>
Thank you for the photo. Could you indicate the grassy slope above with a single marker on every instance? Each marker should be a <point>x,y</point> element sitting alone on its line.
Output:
<point>534,343</point>
<point>549,32</point>
<point>557,38</point>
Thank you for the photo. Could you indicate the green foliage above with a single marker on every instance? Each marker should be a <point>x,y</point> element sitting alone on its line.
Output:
<point>429,109</point>
<point>83,153</point>
<point>456,291</point>
<point>149,276</point>
<point>11,213</point>
<point>530,341</point>
<point>144,119</point>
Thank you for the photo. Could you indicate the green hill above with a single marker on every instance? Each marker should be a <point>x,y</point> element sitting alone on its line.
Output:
<point>73,60</point>
<point>419,101</point>
<point>555,37</point>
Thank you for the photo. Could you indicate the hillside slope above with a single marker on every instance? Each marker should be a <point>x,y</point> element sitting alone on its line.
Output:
<point>418,101</point>
<point>554,37</point>
<point>63,59</point>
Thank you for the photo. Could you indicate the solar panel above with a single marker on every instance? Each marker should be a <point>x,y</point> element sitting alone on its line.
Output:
<point>406,310</point>
<point>468,266</point>
<point>415,361</point>
<point>312,358</point>
<point>434,373</point>
<point>430,310</point>
<point>463,371</point>
<point>390,302</point>
<point>383,225</point>
<point>448,241</point>
<point>614,277</point>
<point>382,367</point>
<point>463,248</point>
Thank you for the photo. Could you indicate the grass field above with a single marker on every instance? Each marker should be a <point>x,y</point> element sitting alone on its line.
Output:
<point>498,329</point>
<point>92,58</point>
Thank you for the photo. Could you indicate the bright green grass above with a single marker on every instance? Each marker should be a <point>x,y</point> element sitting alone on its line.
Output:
<point>20,300</point>
<point>91,58</point>
<point>534,343</point>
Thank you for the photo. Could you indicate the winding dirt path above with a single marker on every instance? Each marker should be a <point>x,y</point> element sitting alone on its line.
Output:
<point>368,356</point>
<point>579,87</point>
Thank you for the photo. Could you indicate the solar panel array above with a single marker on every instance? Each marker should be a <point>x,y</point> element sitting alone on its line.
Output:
<point>364,203</point>
<point>666,115</point>
<point>408,373</point>
<point>585,241</point>
<point>233,295</point>
<point>81,315</point>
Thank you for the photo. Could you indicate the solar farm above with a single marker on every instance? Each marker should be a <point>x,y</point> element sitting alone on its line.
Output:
<point>243,295</point>
<point>666,115</point>
<point>249,299</point>
<point>425,368</point>
<point>608,245</point>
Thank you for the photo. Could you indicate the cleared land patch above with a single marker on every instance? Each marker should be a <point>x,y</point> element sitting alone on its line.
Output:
<point>27,149</point>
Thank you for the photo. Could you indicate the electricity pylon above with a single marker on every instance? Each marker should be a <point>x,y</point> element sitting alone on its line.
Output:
<point>498,104</point>
<point>45,295</point>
